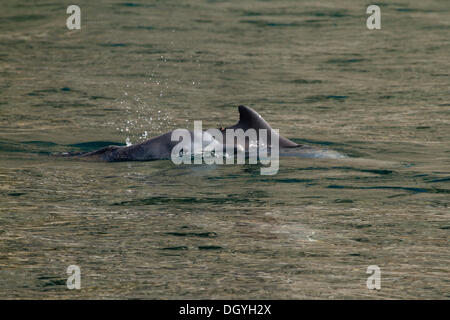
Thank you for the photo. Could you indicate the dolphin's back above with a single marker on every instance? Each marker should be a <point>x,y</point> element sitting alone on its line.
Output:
<point>159,147</point>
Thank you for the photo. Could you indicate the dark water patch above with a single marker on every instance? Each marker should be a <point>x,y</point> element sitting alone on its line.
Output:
<point>179,248</point>
<point>415,190</point>
<point>52,281</point>
<point>413,10</point>
<point>94,145</point>
<point>305,81</point>
<point>46,277</point>
<point>145,27</point>
<point>135,5</point>
<point>305,254</point>
<point>345,61</point>
<point>319,98</point>
<point>410,189</point>
<point>397,195</point>
<point>359,226</point>
<point>439,190</point>
<point>193,234</point>
<point>439,180</point>
<point>354,70</point>
<point>254,14</point>
<point>315,168</point>
<point>184,200</point>
<point>138,27</point>
<point>423,127</point>
<point>376,171</point>
<point>292,180</point>
<point>66,89</point>
<point>129,4</point>
<point>178,60</point>
<point>312,197</point>
<point>263,23</point>
<point>285,180</point>
<point>445,228</point>
<point>255,194</point>
<point>313,21</point>
<point>101,98</point>
<point>220,63</point>
<point>230,176</point>
<point>291,12</point>
<point>16,194</point>
<point>361,239</point>
<point>209,248</point>
<point>114,45</point>
<point>252,169</point>
<point>331,14</point>
<point>324,107</point>
<point>343,201</point>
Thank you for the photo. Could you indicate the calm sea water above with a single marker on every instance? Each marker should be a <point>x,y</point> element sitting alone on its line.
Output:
<point>156,230</point>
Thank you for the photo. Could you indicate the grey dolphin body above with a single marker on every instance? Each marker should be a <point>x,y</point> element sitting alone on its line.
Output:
<point>156,148</point>
<point>160,147</point>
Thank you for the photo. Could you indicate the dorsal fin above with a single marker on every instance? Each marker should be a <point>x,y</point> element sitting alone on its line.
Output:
<point>249,118</point>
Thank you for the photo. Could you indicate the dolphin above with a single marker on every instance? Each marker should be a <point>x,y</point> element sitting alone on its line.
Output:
<point>160,147</point>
